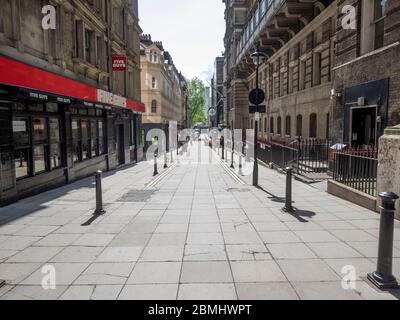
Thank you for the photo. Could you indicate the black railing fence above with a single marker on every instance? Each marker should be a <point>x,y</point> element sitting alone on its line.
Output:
<point>304,155</point>
<point>357,168</point>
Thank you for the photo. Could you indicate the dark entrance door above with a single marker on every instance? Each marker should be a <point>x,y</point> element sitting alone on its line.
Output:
<point>363,131</point>
<point>121,144</point>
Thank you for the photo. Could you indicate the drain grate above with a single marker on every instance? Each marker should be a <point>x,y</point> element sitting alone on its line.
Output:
<point>237,190</point>
<point>137,196</point>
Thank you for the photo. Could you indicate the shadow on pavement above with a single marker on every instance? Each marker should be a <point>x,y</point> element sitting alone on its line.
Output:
<point>91,220</point>
<point>299,214</point>
<point>273,197</point>
<point>36,203</point>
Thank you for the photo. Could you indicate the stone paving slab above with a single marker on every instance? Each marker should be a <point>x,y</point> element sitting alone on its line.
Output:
<point>198,235</point>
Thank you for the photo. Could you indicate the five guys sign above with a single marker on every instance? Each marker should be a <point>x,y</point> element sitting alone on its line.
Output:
<point>119,63</point>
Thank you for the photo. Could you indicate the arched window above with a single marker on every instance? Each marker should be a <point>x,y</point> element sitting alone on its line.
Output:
<point>153,82</point>
<point>313,125</point>
<point>271,125</point>
<point>154,106</point>
<point>299,126</point>
<point>279,125</point>
<point>288,126</point>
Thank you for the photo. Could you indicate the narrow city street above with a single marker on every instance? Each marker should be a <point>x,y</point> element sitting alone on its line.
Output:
<point>196,231</point>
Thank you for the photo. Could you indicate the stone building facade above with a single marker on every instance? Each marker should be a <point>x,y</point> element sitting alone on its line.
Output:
<point>217,98</point>
<point>366,96</point>
<point>322,79</point>
<point>64,112</point>
<point>163,87</point>
<point>298,40</point>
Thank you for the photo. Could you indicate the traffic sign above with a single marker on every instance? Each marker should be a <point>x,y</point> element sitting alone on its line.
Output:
<point>257,96</point>
<point>261,109</point>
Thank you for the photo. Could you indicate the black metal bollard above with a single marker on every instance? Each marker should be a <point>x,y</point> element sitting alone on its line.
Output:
<point>165,161</point>
<point>288,203</point>
<point>240,165</point>
<point>383,277</point>
<point>99,194</point>
<point>155,165</point>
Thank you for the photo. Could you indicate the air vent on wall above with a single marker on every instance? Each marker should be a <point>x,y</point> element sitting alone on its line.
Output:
<point>361,101</point>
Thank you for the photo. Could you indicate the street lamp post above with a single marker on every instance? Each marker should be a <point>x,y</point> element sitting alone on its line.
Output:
<point>258,59</point>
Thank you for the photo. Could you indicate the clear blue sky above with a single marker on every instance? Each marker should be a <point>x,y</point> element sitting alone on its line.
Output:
<point>191,30</point>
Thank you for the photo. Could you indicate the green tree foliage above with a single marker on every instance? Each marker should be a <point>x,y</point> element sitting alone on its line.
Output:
<point>196,94</point>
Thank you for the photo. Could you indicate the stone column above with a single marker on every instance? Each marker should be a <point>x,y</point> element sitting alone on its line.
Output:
<point>389,163</point>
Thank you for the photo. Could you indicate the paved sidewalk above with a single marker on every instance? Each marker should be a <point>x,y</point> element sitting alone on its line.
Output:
<point>197,234</point>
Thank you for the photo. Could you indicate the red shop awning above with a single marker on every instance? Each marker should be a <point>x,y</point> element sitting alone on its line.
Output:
<point>23,75</point>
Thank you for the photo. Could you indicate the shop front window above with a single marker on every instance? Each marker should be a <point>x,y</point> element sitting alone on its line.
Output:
<point>76,140</point>
<point>39,130</point>
<point>21,131</point>
<point>6,177</point>
<point>37,139</point>
<point>88,135</point>
<point>55,144</point>
<point>85,139</point>
<point>51,107</point>
<point>40,139</point>
<point>102,149</point>
<point>39,159</point>
<point>21,159</point>
<point>94,138</point>
<point>36,107</point>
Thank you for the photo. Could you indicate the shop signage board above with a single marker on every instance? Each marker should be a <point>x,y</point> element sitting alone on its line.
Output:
<point>261,109</point>
<point>119,62</point>
<point>19,125</point>
<point>111,99</point>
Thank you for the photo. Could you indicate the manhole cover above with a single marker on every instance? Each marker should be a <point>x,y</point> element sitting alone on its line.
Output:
<point>237,190</point>
<point>137,196</point>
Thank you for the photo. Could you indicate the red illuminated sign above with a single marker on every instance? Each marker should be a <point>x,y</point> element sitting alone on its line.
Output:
<point>119,63</point>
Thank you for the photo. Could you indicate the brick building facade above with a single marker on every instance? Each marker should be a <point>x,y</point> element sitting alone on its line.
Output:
<point>366,96</point>
<point>321,80</point>
<point>298,40</point>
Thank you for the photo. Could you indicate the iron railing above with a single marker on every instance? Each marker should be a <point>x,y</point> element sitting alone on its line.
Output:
<point>357,168</point>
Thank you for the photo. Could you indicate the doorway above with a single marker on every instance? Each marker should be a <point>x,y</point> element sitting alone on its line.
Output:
<point>363,126</point>
<point>121,144</point>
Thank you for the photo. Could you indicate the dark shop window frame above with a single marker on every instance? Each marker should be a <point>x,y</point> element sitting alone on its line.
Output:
<point>48,112</point>
<point>97,116</point>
